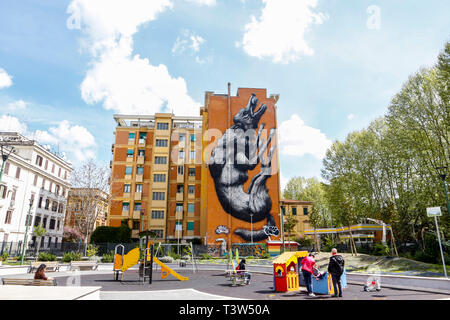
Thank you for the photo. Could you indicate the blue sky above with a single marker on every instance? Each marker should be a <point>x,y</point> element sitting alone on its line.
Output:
<point>336,64</point>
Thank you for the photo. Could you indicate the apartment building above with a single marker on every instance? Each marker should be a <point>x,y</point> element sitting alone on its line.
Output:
<point>155,177</point>
<point>301,211</point>
<point>87,209</point>
<point>33,174</point>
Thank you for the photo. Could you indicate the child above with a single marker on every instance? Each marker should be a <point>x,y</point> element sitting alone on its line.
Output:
<point>241,270</point>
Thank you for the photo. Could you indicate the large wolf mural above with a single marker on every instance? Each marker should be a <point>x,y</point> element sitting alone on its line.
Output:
<point>239,150</point>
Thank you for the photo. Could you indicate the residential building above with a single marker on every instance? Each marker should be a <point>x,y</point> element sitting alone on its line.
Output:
<point>86,209</point>
<point>32,172</point>
<point>155,178</point>
<point>301,210</point>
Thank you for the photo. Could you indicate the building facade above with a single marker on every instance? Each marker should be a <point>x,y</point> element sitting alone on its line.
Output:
<point>155,179</point>
<point>301,211</point>
<point>32,173</point>
<point>86,209</point>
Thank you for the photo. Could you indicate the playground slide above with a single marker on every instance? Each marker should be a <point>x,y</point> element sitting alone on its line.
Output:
<point>165,271</point>
<point>130,259</point>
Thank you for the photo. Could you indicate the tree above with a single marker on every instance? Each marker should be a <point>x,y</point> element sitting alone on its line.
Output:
<point>290,221</point>
<point>90,193</point>
<point>39,231</point>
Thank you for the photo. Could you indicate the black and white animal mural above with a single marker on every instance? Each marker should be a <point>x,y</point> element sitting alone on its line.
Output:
<point>239,151</point>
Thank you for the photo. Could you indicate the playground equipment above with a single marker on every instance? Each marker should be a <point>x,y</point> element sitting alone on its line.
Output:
<point>323,284</point>
<point>145,258</point>
<point>233,274</point>
<point>372,284</point>
<point>285,271</point>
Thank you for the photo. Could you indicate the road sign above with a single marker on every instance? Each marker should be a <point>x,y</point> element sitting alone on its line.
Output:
<point>434,212</point>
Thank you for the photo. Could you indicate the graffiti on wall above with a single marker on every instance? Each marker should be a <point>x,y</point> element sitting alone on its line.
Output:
<point>247,250</point>
<point>239,151</point>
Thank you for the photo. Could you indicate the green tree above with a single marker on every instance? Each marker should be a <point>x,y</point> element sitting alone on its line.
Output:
<point>39,232</point>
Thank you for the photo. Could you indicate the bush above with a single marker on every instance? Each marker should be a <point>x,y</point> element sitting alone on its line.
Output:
<point>205,256</point>
<point>71,256</point>
<point>167,259</point>
<point>106,234</point>
<point>380,249</point>
<point>108,257</point>
<point>5,256</point>
<point>265,255</point>
<point>91,250</point>
<point>46,256</point>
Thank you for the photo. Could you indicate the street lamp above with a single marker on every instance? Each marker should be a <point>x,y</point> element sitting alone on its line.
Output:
<point>5,156</point>
<point>443,174</point>
<point>28,222</point>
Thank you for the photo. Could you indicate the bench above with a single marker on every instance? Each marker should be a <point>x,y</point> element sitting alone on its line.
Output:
<point>28,282</point>
<point>236,277</point>
<point>51,265</point>
<point>83,265</point>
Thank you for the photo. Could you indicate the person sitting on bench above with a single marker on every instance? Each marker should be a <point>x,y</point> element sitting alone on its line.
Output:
<point>241,270</point>
<point>40,273</point>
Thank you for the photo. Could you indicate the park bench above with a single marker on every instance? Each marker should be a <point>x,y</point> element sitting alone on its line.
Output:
<point>83,265</point>
<point>28,282</point>
<point>51,265</point>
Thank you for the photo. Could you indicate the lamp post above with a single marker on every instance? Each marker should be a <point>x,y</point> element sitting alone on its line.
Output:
<point>443,174</point>
<point>251,226</point>
<point>5,156</point>
<point>26,231</point>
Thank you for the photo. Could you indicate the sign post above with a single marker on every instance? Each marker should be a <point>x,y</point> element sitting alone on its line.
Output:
<point>435,212</point>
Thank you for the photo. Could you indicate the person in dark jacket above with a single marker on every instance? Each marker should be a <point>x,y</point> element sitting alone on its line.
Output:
<point>336,269</point>
<point>241,269</point>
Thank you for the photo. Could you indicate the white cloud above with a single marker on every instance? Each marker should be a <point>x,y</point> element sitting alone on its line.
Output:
<point>75,141</point>
<point>350,116</point>
<point>5,79</point>
<point>17,105</point>
<point>12,124</point>
<point>203,2</point>
<point>298,139</point>
<point>188,42</point>
<point>122,81</point>
<point>279,33</point>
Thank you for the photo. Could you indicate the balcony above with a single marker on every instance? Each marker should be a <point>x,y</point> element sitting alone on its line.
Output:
<point>129,159</point>
<point>128,176</point>
<point>191,178</point>
<point>138,196</point>
<point>141,142</point>
<point>140,160</point>
<point>179,196</point>
<point>180,178</point>
<point>131,142</point>
<point>137,214</point>
<point>126,195</point>
<point>139,177</point>
<point>160,167</point>
<point>179,215</point>
<point>191,196</point>
<point>190,233</point>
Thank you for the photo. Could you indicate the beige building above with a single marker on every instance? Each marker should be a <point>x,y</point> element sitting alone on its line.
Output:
<point>299,209</point>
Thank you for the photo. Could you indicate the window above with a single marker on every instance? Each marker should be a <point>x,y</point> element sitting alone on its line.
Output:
<point>52,224</point>
<point>131,136</point>
<point>190,226</point>
<point>40,202</point>
<point>136,225</point>
<point>192,155</point>
<point>178,226</point>
<point>59,172</point>
<point>161,142</point>
<point>46,164</point>
<point>192,172</point>
<point>53,168</point>
<point>180,188</point>
<point>141,153</point>
<point>162,126</point>
<point>191,189</point>
<point>51,186</point>
<point>6,169</point>
<point>160,160</point>
<point>158,177</point>
<point>58,224</point>
<point>137,206</point>
<point>3,191</point>
<point>57,189</point>
<point>44,222</point>
<point>192,137</point>
<point>179,207</point>
<point>28,220</point>
<point>18,173</point>
<point>35,180</point>
<point>128,170</point>
<point>142,137</point>
<point>13,195</point>
<point>47,204</point>
<point>140,170</point>
<point>37,221</point>
<point>125,207</point>
<point>43,183</point>
<point>60,208</point>
<point>191,207</point>
<point>181,137</point>
<point>157,214</point>
<point>8,217</point>
<point>181,154</point>
<point>54,206</point>
<point>294,211</point>
<point>130,153</point>
<point>283,210</point>
<point>180,170</point>
<point>126,188</point>
<point>39,160</point>
<point>305,211</point>
<point>158,233</point>
<point>158,196</point>
<point>138,188</point>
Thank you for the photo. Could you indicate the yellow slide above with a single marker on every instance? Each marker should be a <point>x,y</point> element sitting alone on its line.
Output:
<point>165,271</point>
<point>129,260</point>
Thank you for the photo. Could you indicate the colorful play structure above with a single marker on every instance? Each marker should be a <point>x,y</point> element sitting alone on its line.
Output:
<point>143,255</point>
<point>286,275</point>
<point>233,274</point>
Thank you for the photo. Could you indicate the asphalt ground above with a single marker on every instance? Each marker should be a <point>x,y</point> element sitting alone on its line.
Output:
<point>215,283</point>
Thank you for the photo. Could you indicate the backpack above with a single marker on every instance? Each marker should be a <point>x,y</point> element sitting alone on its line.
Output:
<point>338,266</point>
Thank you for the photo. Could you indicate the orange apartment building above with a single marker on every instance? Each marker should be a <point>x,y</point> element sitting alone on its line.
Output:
<point>155,176</point>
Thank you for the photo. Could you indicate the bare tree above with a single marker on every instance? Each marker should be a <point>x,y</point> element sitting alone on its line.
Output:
<point>88,197</point>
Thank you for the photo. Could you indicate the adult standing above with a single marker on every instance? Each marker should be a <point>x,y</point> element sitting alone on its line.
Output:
<point>307,271</point>
<point>336,269</point>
